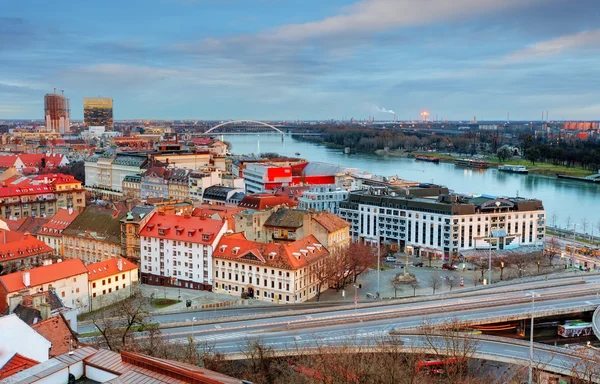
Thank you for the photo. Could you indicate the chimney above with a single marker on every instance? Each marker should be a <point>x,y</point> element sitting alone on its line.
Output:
<point>120,264</point>
<point>26,279</point>
<point>13,301</point>
<point>45,311</point>
<point>38,300</point>
<point>70,210</point>
<point>47,262</point>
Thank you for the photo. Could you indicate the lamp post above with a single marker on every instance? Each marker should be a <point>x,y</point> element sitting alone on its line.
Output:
<point>378,254</point>
<point>533,296</point>
<point>193,320</point>
<point>355,298</point>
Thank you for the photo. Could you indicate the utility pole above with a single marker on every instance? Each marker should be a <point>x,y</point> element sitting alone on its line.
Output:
<point>378,253</point>
<point>533,296</point>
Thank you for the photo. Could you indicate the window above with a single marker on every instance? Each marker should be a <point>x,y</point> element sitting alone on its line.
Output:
<point>103,282</point>
<point>123,285</point>
<point>116,278</point>
<point>109,290</point>
<point>93,285</point>
<point>109,280</point>
<point>123,276</point>
<point>94,295</point>
<point>76,290</point>
<point>62,294</point>
<point>117,288</point>
<point>104,291</point>
<point>74,279</point>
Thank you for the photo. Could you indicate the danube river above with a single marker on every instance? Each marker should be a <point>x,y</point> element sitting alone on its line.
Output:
<point>577,199</point>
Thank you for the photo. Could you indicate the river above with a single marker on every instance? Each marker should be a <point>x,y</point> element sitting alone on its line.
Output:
<point>577,199</point>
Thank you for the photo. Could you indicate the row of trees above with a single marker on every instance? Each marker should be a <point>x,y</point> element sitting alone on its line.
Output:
<point>569,153</point>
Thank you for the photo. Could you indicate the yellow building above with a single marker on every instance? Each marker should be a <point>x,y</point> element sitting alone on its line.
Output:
<point>131,224</point>
<point>111,280</point>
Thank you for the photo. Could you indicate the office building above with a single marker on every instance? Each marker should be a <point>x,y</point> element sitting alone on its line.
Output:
<point>443,225</point>
<point>57,112</point>
<point>98,112</point>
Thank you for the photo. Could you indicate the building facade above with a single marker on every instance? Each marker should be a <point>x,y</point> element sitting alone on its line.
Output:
<point>444,225</point>
<point>51,232</point>
<point>201,179</point>
<point>177,250</point>
<point>323,198</point>
<point>277,273</point>
<point>57,112</point>
<point>94,236</point>
<point>69,279</point>
<point>131,225</point>
<point>104,173</point>
<point>132,185</point>
<point>19,251</point>
<point>111,280</point>
<point>98,111</point>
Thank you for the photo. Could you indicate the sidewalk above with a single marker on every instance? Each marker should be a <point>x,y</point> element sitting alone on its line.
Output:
<point>198,298</point>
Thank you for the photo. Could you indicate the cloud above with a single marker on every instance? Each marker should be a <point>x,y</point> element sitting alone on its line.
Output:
<point>582,40</point>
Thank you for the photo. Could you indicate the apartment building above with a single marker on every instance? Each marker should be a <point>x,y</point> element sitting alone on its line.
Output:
<point>69,279</point>
<point>51,232</point>
<point>201,179</point>
<point>111,280</point>
<point>41,195</point>
<point>104,173</point>
<point>132,185</point>
<point>177,250</point>
<point>323,198</point>
<point>277,273</point>
<point>131,224</point>
<point>95,235</point>
<point>443,224</point>
<point>20,251</point>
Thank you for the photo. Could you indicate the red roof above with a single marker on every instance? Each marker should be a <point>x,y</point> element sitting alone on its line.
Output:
<point>182,228</point>
<point>21,245</point>
<point>8,160</point>
<point>109,268</point>
<point>35,159</point>
<point>30,224</point>
<point>56,330</point>
<point>59,222</point>
<point>266,200</point>
<point>56,179</point>
<point>290,256</point>
<point>13,282</point>
<point>16,364</point>
<point>13,191</point>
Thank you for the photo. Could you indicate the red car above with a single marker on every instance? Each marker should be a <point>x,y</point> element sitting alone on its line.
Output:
<point>449,267</point>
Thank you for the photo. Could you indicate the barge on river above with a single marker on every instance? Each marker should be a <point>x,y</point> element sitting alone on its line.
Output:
<point>471,163</point>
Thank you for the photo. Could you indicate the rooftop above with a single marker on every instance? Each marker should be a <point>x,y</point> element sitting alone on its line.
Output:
<point>263,201</point>
<point>99,222</point>
<point>16,364</point>
<point>182,228</point>
<point>13,282</point>
<point>19,245</point>
<point>57,331</point>
<point>292,255</point>
<point>57,223</point>
<point>109,267</point>
<point>286,218</point>
<point>331,222</point>
<point>138,213</point>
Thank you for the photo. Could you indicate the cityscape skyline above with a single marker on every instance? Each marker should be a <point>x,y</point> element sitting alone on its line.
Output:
<point>187,59</point>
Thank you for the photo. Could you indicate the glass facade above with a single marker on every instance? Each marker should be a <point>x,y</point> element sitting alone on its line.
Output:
<point>98,111</point>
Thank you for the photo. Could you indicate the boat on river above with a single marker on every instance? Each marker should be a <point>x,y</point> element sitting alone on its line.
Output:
<point>588,179</point>
<point>470,163</point>
<point>431,159</point>
<point>513,169</point>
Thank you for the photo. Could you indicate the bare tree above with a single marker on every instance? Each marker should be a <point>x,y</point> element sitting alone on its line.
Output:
<point>598,227</point>
<point>568,222</point>
<point>434,281</point>
<point>586,366</point>
<point>116,331</point>
<point>396,284</point>
<point>584,225</point>
<point>554,219</point>
<point>520,261</point>
<point>551,250</point>
<point>481,263</point>
<point>451,282</point>
<point>360,258</point>
<point>414,285</point>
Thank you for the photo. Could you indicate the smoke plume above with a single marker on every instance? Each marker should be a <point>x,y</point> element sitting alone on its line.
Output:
<point>379,109</point>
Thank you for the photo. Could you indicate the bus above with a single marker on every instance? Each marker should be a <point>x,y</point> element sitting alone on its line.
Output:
<point>575,328</point>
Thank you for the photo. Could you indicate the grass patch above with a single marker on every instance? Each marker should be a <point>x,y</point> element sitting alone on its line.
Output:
<point>163,303</point>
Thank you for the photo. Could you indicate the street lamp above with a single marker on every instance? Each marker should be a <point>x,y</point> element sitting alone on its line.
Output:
<point>355,298</point>
<point>193,320</point>
<point>533,295</point>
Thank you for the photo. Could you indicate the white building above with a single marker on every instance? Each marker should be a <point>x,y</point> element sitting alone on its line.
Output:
<point>177,250</point>
<point>18,338</point>
<point>111,280</point>
<point>69,279</point>
<point>444,225</point>
<point>323,198</point>
<point>202,179</point>
<point>105,173</point>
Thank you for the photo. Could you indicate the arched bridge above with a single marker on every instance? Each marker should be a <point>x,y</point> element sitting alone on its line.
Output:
<point>243,126</point>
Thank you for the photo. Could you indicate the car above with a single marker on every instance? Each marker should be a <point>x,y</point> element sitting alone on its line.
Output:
<point>417,263</point>
<point>449,267</point>
<point>391,259</point>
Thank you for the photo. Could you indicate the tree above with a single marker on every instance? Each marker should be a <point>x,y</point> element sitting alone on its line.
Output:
<point>396,284</point>
<point>504,154</point>
<point>533,154</point>
<point>483,264</point>
<point>132,314</point>
<point>434,281</point>
<point>584,225</point>
<point>359,258</point>
<point>568,222</point>
<point>414,285</point>
<point>451,282</point>
<point>551,250</point>
<point>520,261</point>
<point>554,218</point>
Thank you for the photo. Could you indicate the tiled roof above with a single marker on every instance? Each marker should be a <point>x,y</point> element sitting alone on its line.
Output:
<point>266,200</point>
<point>57,223</point>
<point>289,256</point>
<point>109,267</point>
<point>182,228</point>
<point>138,368</point>
<point>13,191</point>
<point>26,245</point>
<point>57,179</point>
<point>286,218</point>
<point>56,330</point>
<point>30,315</point>
<point>29,224</point>
<point>130,160</point>
<point>331,222</point>
<point>8,160</point>
<point>99,222</point>
<point>16,364</point>
<point>53,160</point>
<point>138,213</point>
<point>13,282</point>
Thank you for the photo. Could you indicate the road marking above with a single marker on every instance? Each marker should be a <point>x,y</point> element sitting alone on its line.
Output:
<point>309,317</point>
<point>217,326</point>
<point>298,338</point>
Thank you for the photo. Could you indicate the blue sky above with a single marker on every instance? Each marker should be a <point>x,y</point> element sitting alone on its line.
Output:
<point>304,59</point>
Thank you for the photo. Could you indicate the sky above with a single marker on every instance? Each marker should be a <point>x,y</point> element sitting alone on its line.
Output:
<point>304,59</point>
